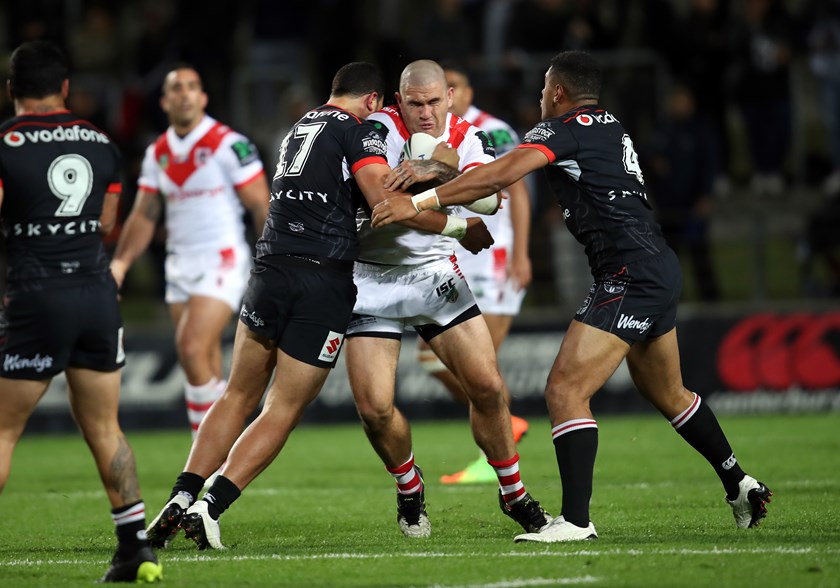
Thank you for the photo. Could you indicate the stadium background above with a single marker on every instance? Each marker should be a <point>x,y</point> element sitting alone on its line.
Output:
<point>768,340</point>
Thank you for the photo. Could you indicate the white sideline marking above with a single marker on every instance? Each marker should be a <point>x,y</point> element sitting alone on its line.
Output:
<point>523,583</point>
<point>454,489</point>
<point>221,556</point>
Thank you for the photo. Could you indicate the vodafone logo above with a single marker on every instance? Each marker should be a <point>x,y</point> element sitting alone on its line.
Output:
<point>584,119</point>
<point>781,351</point>
<point>14,139</point>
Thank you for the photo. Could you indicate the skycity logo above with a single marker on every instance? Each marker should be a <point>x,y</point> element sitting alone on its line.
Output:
<point>630,322</point>
<point>16,362</point>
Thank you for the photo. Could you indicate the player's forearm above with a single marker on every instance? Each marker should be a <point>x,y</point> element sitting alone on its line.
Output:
<point>134,239</point>
<point>520,217</point>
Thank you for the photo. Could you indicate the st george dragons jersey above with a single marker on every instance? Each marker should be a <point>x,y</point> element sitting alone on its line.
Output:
<point>198,175</point>
<point>594,172</point>
<point>313,195</point>
<point>397,245</point>
<point>55,170</point>
<point>504,139</point>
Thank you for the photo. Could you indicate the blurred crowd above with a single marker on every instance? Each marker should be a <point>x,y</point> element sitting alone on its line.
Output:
<point>678,73</point>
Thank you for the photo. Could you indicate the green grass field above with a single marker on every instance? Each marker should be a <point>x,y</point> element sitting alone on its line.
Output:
<point>324,513</point>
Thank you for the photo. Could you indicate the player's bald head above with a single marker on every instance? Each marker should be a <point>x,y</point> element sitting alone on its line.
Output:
<point>423,72</point>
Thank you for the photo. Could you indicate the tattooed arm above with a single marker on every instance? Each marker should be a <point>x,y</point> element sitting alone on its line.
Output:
<point>137,232</point>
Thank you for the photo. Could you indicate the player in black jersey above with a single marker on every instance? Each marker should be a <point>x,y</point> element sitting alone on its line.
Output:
<point>59,188</point>
<point>630,311</point>
<point>299,300</point>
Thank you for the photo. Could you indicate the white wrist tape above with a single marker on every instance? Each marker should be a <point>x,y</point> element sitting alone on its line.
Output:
<point>426,200</point>
<point>455,227</point>
<point>486,205</point>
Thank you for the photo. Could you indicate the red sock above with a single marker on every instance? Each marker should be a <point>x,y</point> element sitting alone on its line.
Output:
<point>408,481</point>
<point>509,481</point>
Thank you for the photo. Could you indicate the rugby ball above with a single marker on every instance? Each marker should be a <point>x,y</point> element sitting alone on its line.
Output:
<point>420,146</point>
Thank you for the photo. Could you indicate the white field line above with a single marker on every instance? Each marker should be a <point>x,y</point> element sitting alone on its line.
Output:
<point>223,556</point>
<point>467,489</point>
<point>522,583</point>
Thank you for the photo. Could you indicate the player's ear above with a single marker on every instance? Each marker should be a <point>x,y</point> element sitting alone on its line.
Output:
<point>65,89</point>
<point>203,100</point>
<point>450,94</point>
<point>9,92</point>
<point>373,102</point>
<point>398,98</point>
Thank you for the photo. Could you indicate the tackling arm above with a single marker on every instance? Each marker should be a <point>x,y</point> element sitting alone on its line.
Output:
<point>480,182</point>
<point>137,233</point>
<point>370,179</point>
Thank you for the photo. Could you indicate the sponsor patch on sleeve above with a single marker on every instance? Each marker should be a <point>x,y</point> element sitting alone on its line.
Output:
<point>486,143</point>
<point>246,152</point>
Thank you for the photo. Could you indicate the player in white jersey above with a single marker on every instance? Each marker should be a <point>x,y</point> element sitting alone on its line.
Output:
<point>204,172</point>
<point>410,279</point>
<point>497,277</point>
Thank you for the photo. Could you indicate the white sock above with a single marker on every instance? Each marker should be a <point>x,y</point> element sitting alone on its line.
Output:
<point>199,400</point>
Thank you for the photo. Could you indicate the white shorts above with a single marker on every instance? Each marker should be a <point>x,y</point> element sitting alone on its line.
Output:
<point>221,274</point>
<point>487,275</point>
<point>392,298</point>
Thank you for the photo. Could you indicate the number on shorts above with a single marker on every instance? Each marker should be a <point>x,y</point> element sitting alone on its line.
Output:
<point>71,180</point>
<point>308,132</point>
<point>631,159</point>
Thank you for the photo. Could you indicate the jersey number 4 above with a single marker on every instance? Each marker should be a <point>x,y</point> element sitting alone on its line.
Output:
<point>631,159</point>
<point>70,178</point>
<point>307,132</point>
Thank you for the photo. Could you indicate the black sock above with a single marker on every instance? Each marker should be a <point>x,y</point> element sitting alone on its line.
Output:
<point>130,522</point>
<point>220,496</point>
<point>575,452</point>
<point>188,484</point>
<point>702,431</point>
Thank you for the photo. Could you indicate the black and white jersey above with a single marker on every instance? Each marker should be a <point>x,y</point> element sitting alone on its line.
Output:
<point>313,195</point>
<point>55,170</point>
<point>595,174</point>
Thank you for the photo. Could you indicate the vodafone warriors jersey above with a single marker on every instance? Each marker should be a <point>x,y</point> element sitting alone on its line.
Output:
<point>594,172</point>
<point>198,176</point>
<point>313,194</point>
<point>395,244</point>
<point>55,170</point>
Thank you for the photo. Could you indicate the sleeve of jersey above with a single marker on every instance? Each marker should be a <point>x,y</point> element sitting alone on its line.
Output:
<point>148,179</point>
<point>552,140</point>
<point>115,183</point>
<point>240,159</point>
<point>364,146</point>
<point>474,152</point>
<point>504,138</point>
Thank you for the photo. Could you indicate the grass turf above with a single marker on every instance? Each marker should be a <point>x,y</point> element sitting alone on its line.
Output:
<point>324,513</point>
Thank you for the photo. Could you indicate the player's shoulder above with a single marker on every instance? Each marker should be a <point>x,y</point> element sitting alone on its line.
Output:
<point>389,122</point>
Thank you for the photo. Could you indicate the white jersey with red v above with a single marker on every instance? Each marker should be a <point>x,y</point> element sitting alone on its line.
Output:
<point>394,244</point>
<point>198,175</point>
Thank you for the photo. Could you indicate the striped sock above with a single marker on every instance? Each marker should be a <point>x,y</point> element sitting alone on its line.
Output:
<point>575,445</point>
<point>199,400</point>
<point>513,490</point>
<point>130,523</point>
<point>699,427</point>
<point>408,480</point>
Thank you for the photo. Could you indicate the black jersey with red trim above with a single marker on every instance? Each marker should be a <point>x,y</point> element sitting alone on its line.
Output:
<point>55,170</point>
<point>595,174</point>
<point>314,197</point>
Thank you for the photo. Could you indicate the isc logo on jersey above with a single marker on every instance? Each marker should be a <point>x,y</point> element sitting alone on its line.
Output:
<point>58,134</point>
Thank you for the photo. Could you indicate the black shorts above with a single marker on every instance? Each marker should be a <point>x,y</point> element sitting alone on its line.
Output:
<point>638,302</point>
<point>303,306</point>
<point>53,329</point>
